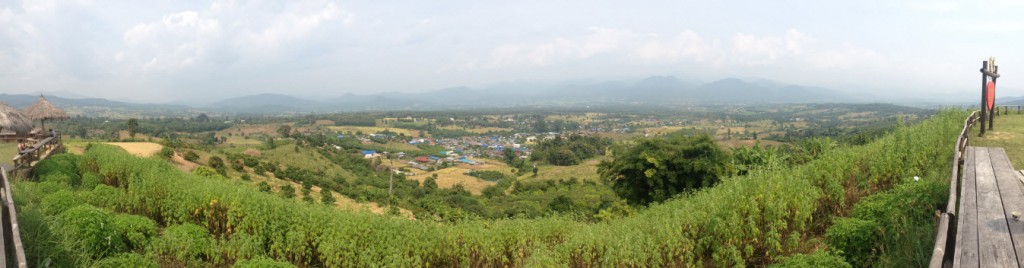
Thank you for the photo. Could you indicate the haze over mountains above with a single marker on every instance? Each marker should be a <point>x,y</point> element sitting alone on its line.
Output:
<point>655,90</point>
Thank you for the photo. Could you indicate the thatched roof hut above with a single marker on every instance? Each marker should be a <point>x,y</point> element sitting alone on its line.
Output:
<point>13,120</point>
<point>43,110</point>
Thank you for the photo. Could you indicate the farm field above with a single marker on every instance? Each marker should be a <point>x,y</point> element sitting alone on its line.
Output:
<point>449,177</point>
<point>586,171</point>
<point>369,130</point>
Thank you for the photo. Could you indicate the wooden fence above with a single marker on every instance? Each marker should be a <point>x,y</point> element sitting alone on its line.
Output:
<point>11,245</point>
<point>942,231</point>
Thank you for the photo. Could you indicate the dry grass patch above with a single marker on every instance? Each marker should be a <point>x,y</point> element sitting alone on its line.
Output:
<point>449,177</point>
<point>141,149</point>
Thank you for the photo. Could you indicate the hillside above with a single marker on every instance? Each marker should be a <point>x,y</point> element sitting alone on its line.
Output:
<point>154,214</point>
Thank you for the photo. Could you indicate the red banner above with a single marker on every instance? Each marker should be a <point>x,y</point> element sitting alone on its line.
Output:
<point>991,96</point>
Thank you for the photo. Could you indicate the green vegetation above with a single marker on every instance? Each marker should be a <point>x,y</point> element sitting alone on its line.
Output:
<point>656,169</point>
<point>768,216</point>
<point>569,151</point>
<point>1007,133</point>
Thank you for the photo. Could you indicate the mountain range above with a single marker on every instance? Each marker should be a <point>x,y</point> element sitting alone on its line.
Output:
<point>655,90</point>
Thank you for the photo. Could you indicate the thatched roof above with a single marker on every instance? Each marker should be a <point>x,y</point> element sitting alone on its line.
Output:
<point>13,120</point>
<point>44,110</point>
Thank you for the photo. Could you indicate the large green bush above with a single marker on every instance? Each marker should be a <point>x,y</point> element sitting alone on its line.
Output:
<point>186,244</point>
<point>136,230</point>
<point>89,230</point>
<point>60,201</point>
<point>855,238</point>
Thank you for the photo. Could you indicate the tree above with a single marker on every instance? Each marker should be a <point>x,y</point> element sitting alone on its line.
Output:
<point>654,170</point>
<point>133,127</point>
<point>202,118</point>
<point>216,162</point>
<point>539,126</point>
<point>430,183</point>
<point>509,154</point>
<point>284,130</point>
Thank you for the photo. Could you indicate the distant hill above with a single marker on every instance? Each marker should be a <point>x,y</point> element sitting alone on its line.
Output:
<point>654,90</point>
<point>87,106</point>
<point>267,103</point>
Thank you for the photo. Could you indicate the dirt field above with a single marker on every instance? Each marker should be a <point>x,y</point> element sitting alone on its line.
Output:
<point>449,177</point>
<point>142,149</point>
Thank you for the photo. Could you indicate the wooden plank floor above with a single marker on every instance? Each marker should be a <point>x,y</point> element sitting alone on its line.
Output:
<point>991,191</point>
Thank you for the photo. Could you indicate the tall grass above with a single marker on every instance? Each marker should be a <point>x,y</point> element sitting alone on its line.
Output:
<point>751,220</point>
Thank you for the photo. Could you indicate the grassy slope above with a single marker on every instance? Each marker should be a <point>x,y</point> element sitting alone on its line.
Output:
<point>749,220</point>
<point>8,152</point>
<point>1007,133</point>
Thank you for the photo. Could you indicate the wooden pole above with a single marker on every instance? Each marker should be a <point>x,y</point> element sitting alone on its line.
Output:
<point>984,91</point>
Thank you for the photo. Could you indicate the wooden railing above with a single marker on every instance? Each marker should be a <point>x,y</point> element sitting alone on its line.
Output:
<point>11,245</point>
<point>942,230</point>
<point>38,151</point>
<point>1006,109</point>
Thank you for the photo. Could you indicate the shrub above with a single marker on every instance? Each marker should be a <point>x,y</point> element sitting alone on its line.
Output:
<point>237,166</point>
<point>262,262</point>
<point>191,156</point>
<point>186,243</point>
<point>246,177</point>
<point>89,181</point>
<point>326,197</point>
<point>287,190</point>
<point>89,230</point>
<point>104,196</point>
<point>67,164</point>
<point>136,230</point>
<point>61,178</point>
<point>58,202</point>
<point>126,260</point>
<point>166,152</point>
<point>854,238</point>
<point>819,259</point>
<point>204,171</point>
<point>263,187</point>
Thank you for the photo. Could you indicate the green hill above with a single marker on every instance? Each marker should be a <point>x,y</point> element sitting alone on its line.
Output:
<point>107,206</point>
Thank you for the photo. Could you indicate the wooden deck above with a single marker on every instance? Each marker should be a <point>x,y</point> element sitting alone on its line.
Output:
<point>988,235</point>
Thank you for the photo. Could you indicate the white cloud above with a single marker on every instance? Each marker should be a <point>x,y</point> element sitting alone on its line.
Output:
<point>297,23</point>
<point>178,40</point>
<point>187,38</point>
<point>744,50</point>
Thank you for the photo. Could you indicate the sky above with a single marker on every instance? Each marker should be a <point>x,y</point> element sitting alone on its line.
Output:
<point>165,51</point>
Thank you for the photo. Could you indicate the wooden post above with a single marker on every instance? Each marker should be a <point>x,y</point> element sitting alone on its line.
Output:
<point>984,92</point>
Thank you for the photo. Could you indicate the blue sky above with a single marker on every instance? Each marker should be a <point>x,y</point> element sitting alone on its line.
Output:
<point>160,51</point>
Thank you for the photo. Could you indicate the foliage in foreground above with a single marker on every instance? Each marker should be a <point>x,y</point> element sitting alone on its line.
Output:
<point>755,220</point>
